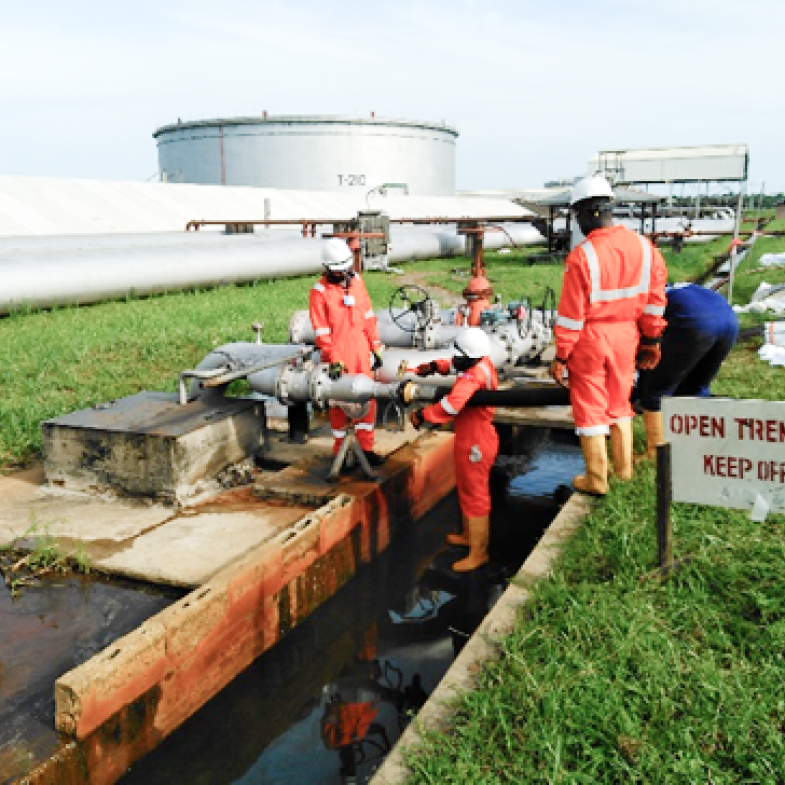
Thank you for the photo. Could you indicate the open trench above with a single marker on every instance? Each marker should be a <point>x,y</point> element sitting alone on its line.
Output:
<point>329,701</point>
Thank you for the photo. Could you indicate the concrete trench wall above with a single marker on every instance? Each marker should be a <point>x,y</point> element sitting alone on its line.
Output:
<point>123,702</point>
<point>437,715</point>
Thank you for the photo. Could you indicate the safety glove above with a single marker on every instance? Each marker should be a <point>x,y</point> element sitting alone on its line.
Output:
<point>648,356</point>
<point>378,361</point>
<point>427,369</point>
<point>558,371</point>
<point>416,418</point>
<point>335,370</point>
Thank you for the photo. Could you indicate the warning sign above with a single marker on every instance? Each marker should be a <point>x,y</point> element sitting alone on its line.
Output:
<point>727,452</point>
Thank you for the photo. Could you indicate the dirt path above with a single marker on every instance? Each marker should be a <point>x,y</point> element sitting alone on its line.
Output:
<point>444,296</point>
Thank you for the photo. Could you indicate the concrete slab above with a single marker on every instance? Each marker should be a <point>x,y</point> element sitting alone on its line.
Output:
<point>71,517</point>
<point>196,544</point>
<point>148,444</point>
<point>139,538</point>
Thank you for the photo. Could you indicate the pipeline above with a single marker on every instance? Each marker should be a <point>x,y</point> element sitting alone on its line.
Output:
<point>42,272</point>
<point>294,374</point>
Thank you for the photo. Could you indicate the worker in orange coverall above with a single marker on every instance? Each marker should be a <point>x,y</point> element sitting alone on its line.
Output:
<point>347,337</point>
<point>610,315</point>
<point>476,440</point>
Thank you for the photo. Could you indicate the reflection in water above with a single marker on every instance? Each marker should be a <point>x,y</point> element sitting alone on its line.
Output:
<point>330,700</point>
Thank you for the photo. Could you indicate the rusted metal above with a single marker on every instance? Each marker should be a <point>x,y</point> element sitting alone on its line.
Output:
<point>196,224</point>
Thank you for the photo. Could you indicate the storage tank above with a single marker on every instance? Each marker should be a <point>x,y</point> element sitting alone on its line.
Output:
<point>318,153</point>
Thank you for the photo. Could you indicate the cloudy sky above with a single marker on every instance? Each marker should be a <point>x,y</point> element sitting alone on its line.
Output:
<point>534,87</point>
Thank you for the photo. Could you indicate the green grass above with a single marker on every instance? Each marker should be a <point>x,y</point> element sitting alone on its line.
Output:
<point>54,362</point>
<point>609,678</point>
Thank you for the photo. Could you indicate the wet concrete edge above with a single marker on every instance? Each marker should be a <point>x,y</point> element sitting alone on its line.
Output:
<point>121,703</point>
<point>437,713</point>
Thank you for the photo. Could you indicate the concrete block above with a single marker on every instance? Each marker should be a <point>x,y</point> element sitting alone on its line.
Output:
<point>149,445</point>
<point>114,678</point>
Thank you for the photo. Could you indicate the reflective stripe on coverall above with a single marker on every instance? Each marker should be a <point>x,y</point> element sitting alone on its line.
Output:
<point>346,332</point>
<point>476,440</point>
<point>614,291</point>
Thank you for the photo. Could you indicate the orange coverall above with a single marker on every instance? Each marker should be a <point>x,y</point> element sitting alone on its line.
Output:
<point>614,291</point>
<point>476,440</point>
<point>346,332</point>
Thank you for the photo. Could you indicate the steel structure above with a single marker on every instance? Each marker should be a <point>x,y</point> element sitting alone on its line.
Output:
<point>320,153</point>
<point>709,163</point>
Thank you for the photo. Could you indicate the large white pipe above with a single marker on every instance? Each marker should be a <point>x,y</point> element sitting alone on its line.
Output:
<point>42,272</point>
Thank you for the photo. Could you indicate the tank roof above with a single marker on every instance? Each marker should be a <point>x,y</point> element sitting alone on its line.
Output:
<point>306,120</point>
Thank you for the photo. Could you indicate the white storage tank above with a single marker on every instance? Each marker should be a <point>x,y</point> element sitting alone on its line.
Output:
<point>319,153</point>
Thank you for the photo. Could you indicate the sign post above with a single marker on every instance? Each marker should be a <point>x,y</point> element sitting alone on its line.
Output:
<point>664,498</point>
<point>727,453</point>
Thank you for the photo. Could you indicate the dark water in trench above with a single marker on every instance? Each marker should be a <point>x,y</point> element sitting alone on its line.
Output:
<point>47,631</point>
<point>331,699</point>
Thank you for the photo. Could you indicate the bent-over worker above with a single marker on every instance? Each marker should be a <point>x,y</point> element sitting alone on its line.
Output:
<point>702,329</point>
<point>610,311</point>
<point>347,337</point>
<point>476,440</point>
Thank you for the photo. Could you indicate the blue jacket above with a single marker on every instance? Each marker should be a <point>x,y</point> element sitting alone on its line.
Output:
<point>693,307</point>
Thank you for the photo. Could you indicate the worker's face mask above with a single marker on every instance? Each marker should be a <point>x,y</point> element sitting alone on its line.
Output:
<point>340,277</point>
<point>461,363</point>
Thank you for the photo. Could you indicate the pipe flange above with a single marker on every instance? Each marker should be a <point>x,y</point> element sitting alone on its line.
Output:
<point>320,384</point>
<point>282,387</point>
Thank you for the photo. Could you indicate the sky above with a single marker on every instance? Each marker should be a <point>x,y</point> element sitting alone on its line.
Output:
<point>534,88</point>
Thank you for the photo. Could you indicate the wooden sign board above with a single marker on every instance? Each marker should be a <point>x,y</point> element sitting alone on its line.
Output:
<point>727,452</point>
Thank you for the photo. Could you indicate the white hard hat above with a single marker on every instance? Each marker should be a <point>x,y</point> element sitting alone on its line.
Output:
<point>472,342</point>
<point>590,188</point>
<point>336,255</point>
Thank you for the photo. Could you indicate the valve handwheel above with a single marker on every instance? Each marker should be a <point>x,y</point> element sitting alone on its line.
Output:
<point>413,299</point>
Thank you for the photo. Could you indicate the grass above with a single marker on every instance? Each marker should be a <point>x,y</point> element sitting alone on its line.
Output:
<point>611,679</point>
<point>41,555</point>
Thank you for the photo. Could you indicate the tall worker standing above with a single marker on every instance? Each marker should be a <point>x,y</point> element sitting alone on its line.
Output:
<point>610,313</point>
<point>347,337</point>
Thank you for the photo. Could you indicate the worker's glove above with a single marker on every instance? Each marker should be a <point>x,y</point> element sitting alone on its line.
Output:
<point>648,356</point>
<point>417,419</point>
<point>558,371</point>
<point>335,370</point>
<point>427,369</point>
<point>378,360</point>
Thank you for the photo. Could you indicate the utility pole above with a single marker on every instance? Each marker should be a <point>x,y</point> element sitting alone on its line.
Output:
<point>735,244</point>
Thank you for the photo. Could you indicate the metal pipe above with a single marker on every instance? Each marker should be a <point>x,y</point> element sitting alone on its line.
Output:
<point>42,273</point>
<point>194,374</point>
<point>227,378</point>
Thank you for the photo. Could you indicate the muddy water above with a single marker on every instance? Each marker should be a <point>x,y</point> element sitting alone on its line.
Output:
<point>331,699</point>
<point>45,632</point>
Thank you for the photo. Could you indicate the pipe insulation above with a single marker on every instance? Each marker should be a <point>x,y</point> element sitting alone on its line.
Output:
<point>42,272</point>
